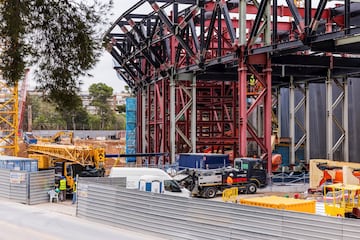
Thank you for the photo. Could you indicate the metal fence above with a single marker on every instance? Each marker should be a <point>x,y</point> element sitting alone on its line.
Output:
<point>188,218</point>
<point>114,181</point>
<point>39,184</point>
<point>26,187</point>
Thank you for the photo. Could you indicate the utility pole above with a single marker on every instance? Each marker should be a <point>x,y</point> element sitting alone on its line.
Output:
<point>29,118</point>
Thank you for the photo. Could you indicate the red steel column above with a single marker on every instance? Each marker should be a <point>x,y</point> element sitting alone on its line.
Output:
<point>242,85</point>
<point>267,113</point>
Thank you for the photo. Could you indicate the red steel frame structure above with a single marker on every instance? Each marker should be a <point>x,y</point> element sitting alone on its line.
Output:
<point>188,62</point>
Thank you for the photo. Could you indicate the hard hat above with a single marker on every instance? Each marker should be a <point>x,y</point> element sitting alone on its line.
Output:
<point>231,175</point>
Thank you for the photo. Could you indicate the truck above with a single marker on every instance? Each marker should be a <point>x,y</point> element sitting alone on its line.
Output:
<point>248,175</point>
<point>135,175</point>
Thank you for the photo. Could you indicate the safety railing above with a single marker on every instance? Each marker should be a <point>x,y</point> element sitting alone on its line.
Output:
<point>230,194</point>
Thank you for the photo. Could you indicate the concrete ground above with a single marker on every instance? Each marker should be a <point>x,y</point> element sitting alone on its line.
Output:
<point>61,207</point>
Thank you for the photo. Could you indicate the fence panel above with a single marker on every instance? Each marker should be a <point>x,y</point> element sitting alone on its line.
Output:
<point>40,183</point>
<point>114,181</point>
<point>4,183</point>
<point>188,218</point>
<point>19,186</point>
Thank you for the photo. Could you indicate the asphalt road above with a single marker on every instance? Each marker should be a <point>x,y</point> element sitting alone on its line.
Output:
<point>18,222</point>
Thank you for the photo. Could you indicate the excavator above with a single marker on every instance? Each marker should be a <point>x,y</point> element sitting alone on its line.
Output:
<point>324,172</point>
<point>30,138</point>
<point>58,138</point>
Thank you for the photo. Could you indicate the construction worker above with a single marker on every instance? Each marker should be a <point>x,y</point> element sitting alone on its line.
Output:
<point>74,192</point>
<point>252,83</point>
<point>229,179</point>
<point>62,189</point>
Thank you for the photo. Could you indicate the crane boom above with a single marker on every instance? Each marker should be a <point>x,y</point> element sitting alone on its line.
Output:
<point>83,155</point>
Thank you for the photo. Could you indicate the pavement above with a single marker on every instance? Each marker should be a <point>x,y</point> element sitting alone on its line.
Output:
<point>65,207</point>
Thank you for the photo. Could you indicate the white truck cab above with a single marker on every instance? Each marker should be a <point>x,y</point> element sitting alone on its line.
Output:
<point>136,178</point>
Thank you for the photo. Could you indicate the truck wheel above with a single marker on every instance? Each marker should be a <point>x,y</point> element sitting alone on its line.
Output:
<point>251,188</point>
<point>210,192</point>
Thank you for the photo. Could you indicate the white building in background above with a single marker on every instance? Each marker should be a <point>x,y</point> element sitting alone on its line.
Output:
<point>120,98</point>
<point>116,100</point>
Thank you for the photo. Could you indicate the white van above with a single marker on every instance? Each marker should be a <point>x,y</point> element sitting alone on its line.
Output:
<point>133,176</point>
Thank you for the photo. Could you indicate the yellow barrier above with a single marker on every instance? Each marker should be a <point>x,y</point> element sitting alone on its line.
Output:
<point>230,194</point>
<point>281,203</point>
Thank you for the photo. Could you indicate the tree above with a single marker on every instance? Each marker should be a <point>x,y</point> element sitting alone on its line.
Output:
<point>121,108</point>
<point>100,93</point>
<point>62,37</point>
<point>44,114</point>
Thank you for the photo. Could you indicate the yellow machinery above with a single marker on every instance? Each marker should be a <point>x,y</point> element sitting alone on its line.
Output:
<point>11,115</point>
<point>8,119</point>
<point>282,203</point>
<point>323,171</point>
<point>57,138</point>
<point>342,200</point>
<point>69,160</point>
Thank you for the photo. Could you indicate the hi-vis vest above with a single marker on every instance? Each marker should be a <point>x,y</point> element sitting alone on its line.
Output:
<point>252,80</point>
<point>75,186</point>
<point>62,184</point>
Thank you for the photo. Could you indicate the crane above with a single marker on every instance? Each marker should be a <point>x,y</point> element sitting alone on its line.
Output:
<point>69,160</point>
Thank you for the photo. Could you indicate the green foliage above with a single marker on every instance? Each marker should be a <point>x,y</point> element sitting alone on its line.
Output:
<point>100,93</point>
<point>62,37</point>
<point>44,114</point>
<point>121,108</point>
<point>12,30</point>
<point>71,115</point>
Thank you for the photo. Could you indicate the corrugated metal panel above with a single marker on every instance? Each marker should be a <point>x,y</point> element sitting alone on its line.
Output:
<point>40,183</point>
<point>4,183</point>
<point>186,218</point>
<point>19,186</point>
<point>350,229</point>
<point>115,181</point>
<point>19,164</point>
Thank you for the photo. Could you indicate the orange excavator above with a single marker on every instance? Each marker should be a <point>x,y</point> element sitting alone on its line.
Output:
<point>324,171</point>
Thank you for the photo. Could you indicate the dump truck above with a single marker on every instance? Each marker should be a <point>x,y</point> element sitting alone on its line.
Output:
<point>248,174</point>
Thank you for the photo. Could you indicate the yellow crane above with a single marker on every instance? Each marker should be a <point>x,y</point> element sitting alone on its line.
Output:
<point>69,160</point>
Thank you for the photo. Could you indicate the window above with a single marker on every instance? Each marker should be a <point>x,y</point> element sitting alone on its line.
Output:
<point>171,186</point>
<point>238,165</point>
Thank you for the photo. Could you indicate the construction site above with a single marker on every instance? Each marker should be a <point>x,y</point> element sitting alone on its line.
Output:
<point>243,114</point>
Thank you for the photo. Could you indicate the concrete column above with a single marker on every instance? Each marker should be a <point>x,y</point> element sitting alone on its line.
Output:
<point>346,119</point>
<point>307,123</point>
<point>292,121</point>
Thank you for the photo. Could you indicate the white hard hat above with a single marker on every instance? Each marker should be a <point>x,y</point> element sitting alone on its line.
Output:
<point>231,175</point>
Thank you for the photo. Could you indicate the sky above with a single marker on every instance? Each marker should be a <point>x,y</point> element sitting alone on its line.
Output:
<point>103,71</point>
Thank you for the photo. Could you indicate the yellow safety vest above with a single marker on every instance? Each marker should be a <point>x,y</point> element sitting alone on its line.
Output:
<point>62,184</point>
<point>252,80</point>
<point>75,186</point>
